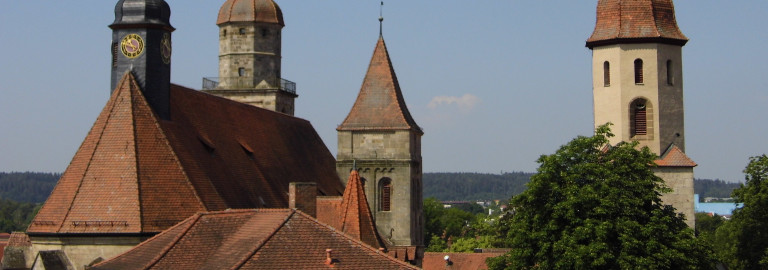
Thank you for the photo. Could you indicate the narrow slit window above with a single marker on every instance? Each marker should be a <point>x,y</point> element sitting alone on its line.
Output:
<point>386,195</point>
<point>114,54</point>
<point>607,74</point>
<point>241,72</point>
<point>242,31</point>
<point>638,71</point>
<point>670,73</point>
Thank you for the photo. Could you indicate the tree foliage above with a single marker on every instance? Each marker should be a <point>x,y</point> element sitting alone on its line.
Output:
<point>474,186</point>
<point>27,186</point>
<point>744,239</point>
<point>596,207</point>
<point>16,216</point>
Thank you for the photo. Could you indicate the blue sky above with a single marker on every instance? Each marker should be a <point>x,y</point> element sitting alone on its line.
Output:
<point>494,84</point>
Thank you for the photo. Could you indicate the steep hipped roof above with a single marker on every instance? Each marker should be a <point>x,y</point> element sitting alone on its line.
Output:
<point>675,157</point>
<point>633,21</point>
<point>356,216</point>
<point>252,239</point>
<point>135,173</point>
<point>263,11</point>
<point>380,104</point>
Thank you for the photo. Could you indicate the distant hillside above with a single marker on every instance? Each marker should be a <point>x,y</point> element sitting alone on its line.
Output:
<point>478,186</point>
<point>27,187</point>
<point>714,188</point>
<point>474,186</point>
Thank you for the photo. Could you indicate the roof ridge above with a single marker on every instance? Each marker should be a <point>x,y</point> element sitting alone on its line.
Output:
<point>193,220</point>
<point>261,243</point>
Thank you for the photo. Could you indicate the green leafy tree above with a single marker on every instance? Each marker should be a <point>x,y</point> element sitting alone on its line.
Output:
<point>597,207</point>
<point>745,238</point>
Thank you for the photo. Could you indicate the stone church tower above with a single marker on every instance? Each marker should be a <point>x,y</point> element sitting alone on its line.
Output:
<point>380,138</point>
<point>250,56</point>
<point>638,86</point>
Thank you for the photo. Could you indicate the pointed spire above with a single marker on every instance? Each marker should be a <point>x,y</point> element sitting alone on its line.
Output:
<point>381,19</point>
<point>356,217</point>
<point>380,104</point>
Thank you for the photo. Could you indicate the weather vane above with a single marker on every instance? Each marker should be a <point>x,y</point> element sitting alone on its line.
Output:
<point>381,18</point>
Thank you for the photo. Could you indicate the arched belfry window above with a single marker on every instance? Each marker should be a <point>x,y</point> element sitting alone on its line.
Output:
<point>607,74</point>
<point>639,117</point>
<point>638,71</point>
<point>385,200</point>
<point>670,73</point>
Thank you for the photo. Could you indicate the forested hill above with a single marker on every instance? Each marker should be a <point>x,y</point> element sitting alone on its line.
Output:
<point>35,187</point>
<point>478,186</point>
<point>27,187</point>
<point>474,186</point>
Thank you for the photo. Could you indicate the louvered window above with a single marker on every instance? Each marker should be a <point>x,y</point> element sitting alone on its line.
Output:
<point>386,194</point>
<point>638,71</point>
<point>640,118</point>
<point>607,74</point>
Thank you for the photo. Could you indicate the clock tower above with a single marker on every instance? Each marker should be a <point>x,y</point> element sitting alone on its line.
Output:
<point>141,44</point>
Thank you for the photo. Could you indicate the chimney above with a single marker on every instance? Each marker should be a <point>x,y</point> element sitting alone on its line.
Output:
<point>302,196</point>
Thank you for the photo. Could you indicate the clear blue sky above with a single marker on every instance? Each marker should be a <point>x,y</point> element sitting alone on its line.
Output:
<point>514,77</point>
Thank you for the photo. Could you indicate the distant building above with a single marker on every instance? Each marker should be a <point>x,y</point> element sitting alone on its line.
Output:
<point>724,209</point>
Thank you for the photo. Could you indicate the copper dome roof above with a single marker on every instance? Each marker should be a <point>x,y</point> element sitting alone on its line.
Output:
<point>264,11</point>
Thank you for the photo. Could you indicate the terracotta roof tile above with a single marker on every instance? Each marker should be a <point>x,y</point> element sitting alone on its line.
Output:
<point>674,157</point>
<point>252,239</point>
<point>328,209</point>
<point>135,173</point>
<point>632,21</point>
<point>19,239</point>
<point>464,261</point>
<point>356,216</point>
<point>265,11</point>
<point>380,104</point>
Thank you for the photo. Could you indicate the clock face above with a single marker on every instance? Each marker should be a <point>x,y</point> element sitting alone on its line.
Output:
<point>166,48</point>
<point>132,45</point>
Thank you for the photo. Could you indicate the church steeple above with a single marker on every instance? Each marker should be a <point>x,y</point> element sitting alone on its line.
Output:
<point>380,138</point>
<point>636,21</point>
<point>380,104</point>
<point>141,44</point>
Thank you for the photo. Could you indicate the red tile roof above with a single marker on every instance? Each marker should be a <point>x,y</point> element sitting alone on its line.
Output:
<point>252,239</point>
<point>264,11</point>
<point>19,239</point>
<point>355,214</point>
<point>135,173</point>
<point>674,157</point>
<point>380,104</point>
<point>633,21</point>
<point>463,261</point>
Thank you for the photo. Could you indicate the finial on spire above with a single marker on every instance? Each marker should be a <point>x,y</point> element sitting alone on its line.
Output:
<point>381,18</point>
<point>354,164</point>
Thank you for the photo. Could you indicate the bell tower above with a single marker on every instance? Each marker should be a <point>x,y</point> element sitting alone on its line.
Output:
<point>141,44</point>
<point>250,36</point>
<point>380,140</point>
<point>638,86</point>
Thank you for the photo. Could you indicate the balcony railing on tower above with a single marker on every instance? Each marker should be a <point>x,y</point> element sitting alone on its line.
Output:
<point>213,83</point>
